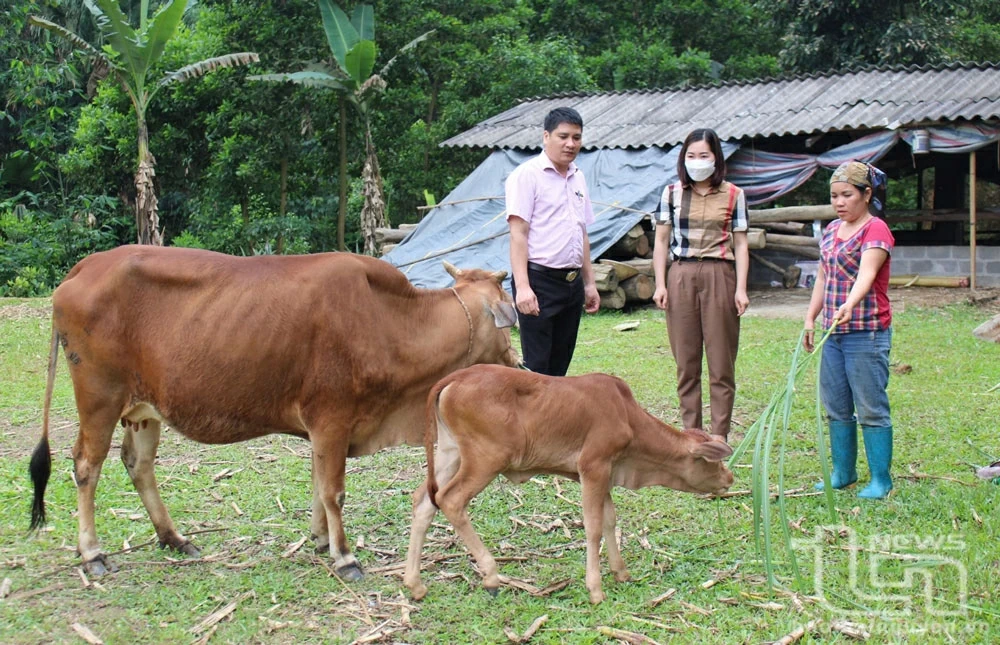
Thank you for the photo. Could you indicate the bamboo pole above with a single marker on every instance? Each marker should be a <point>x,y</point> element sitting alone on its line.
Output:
<point>972,220</point>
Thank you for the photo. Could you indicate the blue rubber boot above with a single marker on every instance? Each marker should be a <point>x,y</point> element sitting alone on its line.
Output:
<point>844,452</point>
<point>878,449</point>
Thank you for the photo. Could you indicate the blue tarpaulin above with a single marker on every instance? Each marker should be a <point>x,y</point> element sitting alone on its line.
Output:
<point>469,229</point>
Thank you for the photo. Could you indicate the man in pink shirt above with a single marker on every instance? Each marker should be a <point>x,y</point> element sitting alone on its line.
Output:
<point>548,210</point>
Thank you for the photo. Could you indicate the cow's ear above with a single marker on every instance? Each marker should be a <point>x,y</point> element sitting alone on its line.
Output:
<point>504,314</point>
<point>452,271</point>
<point>499,276</point>
<point>712,450</point>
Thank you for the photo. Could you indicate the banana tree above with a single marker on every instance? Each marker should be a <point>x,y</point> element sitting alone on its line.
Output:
<point>353,78</point>
<point>131,56</point>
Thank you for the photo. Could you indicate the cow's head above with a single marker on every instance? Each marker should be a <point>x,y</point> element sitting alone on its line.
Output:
<point>492,311</point>
<point>706,472</point>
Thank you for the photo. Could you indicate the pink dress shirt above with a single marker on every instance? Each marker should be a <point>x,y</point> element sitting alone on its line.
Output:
<point>557,209</point>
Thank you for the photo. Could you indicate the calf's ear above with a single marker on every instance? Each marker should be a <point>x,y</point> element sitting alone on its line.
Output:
<point>504,314</point>
<point>712,450</point>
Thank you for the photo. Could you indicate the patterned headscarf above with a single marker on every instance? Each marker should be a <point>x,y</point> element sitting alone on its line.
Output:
<point>864,175</point>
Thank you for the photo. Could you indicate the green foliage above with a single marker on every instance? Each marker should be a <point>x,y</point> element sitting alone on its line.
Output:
<point>270,150</point>
<point>38,248</point>
<point>822,35</point>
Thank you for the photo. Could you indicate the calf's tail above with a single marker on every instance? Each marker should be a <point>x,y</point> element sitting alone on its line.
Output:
<point>41,459</point>
<point>430,437</point>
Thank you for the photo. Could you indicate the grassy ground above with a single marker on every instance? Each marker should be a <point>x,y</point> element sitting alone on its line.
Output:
<point>919,567</point>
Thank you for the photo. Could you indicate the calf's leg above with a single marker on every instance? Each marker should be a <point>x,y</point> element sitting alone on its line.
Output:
<point>447,462</point>
<point>611,542</point>
<point>423,515</point>
<point>594,488</point>
<point>329,465</point>
<point>454,501</point>
<point>139,455</point>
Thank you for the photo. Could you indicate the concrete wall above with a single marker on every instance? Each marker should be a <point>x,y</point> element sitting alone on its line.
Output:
<point>948,261</point>
<point>910,260</point>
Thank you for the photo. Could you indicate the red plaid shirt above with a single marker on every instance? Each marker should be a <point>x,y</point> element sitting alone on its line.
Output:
<point>841,261</point>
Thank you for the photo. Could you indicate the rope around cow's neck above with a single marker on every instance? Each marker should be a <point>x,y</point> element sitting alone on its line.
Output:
<point>468,316</point>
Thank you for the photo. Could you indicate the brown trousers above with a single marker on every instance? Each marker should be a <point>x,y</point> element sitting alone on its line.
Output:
<point>701,311</point>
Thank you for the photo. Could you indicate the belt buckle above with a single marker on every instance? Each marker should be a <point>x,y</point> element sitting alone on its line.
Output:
<point>571,276</point>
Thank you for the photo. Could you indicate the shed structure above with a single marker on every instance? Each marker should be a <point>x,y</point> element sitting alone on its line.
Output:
<point>940,123</point>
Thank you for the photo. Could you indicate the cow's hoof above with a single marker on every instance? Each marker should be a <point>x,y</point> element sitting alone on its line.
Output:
<point>189,549</point>
<point>418,591</point>
<point>351,572</point>
<point>99,566</point>
<point>492,591</point>
<point>185,547</point>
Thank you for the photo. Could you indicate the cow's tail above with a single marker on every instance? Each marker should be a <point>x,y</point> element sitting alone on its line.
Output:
<point>431,435</point>
<point>41,459</point>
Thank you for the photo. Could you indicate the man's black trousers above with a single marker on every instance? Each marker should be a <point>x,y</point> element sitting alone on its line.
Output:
<point>548,339</point>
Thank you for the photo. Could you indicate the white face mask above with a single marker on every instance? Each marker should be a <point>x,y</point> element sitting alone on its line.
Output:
<point>699,169</point>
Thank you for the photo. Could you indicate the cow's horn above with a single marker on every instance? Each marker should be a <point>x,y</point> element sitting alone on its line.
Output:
<point>450,268</point>
<point>499,276</point>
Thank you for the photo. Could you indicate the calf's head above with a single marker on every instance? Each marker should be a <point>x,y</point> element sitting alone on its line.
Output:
<point>706,471</point>
<point>492,311</point>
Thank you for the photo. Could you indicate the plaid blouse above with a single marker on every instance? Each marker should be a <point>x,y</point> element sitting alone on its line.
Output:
<point>703,225</point>
<point>841,261</point>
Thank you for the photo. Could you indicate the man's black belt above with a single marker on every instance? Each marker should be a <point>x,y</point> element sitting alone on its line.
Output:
<point>700,259</point>
<point>569,275</point>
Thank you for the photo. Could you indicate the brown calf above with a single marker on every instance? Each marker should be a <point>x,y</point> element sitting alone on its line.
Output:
<point>491,420</point>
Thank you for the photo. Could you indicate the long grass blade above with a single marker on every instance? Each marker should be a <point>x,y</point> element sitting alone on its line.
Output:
<point>773,426</point>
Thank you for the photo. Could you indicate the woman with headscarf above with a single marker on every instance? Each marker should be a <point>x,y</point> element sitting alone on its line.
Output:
<point>851,291</point>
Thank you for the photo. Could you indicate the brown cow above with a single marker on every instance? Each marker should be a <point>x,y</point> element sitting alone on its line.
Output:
<point>335,348</point>
<point>491,420</point>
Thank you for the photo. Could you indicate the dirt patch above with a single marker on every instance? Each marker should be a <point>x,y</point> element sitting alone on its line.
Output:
<point>24,310</point>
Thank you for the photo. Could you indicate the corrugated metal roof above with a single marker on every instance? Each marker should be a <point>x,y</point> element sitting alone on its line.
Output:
<point>864,99</point>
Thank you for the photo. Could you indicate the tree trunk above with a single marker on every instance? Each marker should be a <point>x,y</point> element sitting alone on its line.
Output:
<point>373,209</point>
<point>282,206</point>
<point>342,201</point>
<point>147,219</point>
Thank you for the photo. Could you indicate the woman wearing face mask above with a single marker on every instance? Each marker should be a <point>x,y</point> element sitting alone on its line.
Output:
<point>851,291</point>
<point>702,226</point>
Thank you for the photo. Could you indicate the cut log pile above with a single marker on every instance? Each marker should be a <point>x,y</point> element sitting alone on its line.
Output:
<point>388,238</point>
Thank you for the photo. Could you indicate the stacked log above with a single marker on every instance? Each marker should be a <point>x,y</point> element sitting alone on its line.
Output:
<point>386,239</point>
<point>635,243</point>
<point>788,230</point>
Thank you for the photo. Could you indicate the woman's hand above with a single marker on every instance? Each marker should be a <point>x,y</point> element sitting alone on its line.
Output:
<point>660,297</point>
<point>809,338</point>
<point>842,316</point>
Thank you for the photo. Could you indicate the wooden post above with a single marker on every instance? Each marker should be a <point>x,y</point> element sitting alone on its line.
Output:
<point>972,220</point>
